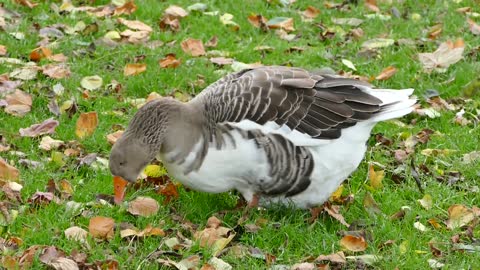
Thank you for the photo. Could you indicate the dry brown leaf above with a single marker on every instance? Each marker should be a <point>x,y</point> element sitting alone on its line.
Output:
<point>258,21</point>
<point>113,137</point>
<point>311,12</point>
<point>101,227</point>
<point>169,191</point>
<point>3,50</point>
<point>8,172</point>
<point>194,47</point>
<point>221,61</point>
<point>338,257</point>
<point>281,23</point>
<point>143,206</point>
<point>19,103</point>
<point>40,53</point>
<point>435,31</point>
<point>46,127</point>
<point>334,211</point>
<point>375,177</point>
<point>59,57</point>
<point>148,231</point>
<point>372,5</point>
<point>135,37</point>
<point>458,216</point>
<point>353,243</point>
<point>175,11</point>
<point>26,3</point>
<point>448,53</point>
<point>213,42</point>
<point>474,28</point>
<point>135,25</point>
<point>169,22</point>
<point>170,61</point>
<point>86,124</point>
<point>127,8</point>
<point>134,69</point>
<point>56,71</point>
<point>386,74</point>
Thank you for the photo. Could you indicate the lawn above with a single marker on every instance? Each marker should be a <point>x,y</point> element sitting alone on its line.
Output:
<point>434,146</point>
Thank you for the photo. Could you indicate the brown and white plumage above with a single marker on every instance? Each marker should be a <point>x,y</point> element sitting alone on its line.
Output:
<point>285,133</point>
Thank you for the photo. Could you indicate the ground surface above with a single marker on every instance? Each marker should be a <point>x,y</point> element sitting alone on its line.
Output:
<point>278,236</point>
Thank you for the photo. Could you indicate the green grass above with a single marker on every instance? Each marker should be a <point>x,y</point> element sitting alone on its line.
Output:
<point>286,235</point>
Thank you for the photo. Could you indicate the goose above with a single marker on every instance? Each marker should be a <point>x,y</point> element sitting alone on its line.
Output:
<point>275,134</point>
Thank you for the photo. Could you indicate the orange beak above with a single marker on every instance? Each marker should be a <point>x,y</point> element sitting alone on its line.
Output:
<point>119,187</point>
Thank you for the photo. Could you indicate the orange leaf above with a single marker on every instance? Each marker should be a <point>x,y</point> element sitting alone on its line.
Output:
<point>127,8</point>
<point>169,61</point>
<point>86,124</point>
<point>101,227</point>
<point>169,191</point>
<point>311,12</point>
<point>134,69</point>
<point>258,21</point>
<point>353,243</point>
<point>8,172</point>
<point>40,53</point>
<point>26,3</point>
<point>3,50</point>
<point>119,187</point>
<point>372,5</point>
<point>386,74</point>
<point>194,47</point>
<point>113,137</point>
<point>375,177</point>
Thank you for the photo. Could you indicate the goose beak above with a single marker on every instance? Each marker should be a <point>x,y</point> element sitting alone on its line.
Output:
<point>119,187</point>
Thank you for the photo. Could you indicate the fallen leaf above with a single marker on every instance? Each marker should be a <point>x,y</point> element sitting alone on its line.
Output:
<point>26,73</point>
<point>101,227</point>
<point>135,37</point>
<point>386,74</point>
<point>91,82</point>
<point>372,5</point>
<point>258,21</point>
<point>426,202</point>
<point>334,211</point>
<point>310,12</point>
<point>148,231</point>
<point>227,19</point>
<point>338,257</point>
<point>434,223</point>
<point>347,21</point>
<point>375,177</point>
<point>349,64</point>
<point>56,71</point>
<point>46,127</point>
<point>474,28</point>
<point>176,11</point>
<point>419,226</point>
<point>40,53</point>
<point>435,31</point>
<point>113,137</point>
<point>127,8</point>
<point>39,198</point>
<point>353,243</point>
<point>378,43</point>
<point>471,157</point>
<point>197,7</point>
<point>194,47</point>
<point>3,50</point>
<point>434,264</point>
<point>8,172</point>
<point>143,206</point>
<point>221,61</point>
<point>448,53</point>
<point>135,25</point>
<point>86,124</point>
<point>281,23</point>
<point>134,69</point>
<point>47,143</point>
<point>77,234</point>
<point>19,103</point>
<point>169,22</point>
<point>170,61</point>
<point>437,152</point>
<point>169,191</point>
<point>458,216</point>
<point>370,204</point>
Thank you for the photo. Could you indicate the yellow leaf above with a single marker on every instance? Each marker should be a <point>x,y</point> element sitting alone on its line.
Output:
<point>426,202</point>
<point>375,177</point>
<point>337,194</point>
